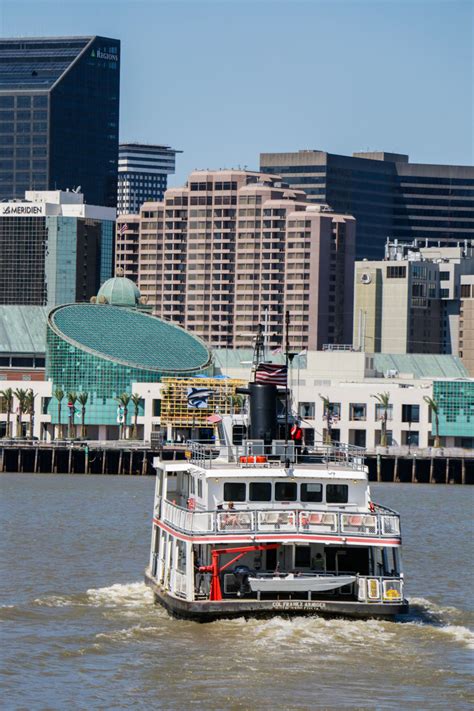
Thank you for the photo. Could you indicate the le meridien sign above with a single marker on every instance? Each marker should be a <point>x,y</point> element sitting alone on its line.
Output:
<point>21,210</point>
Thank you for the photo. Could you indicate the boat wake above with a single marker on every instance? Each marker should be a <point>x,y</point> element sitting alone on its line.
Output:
<point>437,619</point>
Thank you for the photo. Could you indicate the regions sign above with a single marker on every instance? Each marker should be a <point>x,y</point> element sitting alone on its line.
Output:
<point>21,210</point>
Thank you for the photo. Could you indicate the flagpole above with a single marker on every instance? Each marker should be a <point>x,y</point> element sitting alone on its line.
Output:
<point>287,356</point>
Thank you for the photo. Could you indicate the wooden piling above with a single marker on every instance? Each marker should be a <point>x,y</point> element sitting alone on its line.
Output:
<point>130,470</point>
<point>379,467</point>
<point>413,470</point>
<point>69,462</point>
<point>120,462</point>
<point>446,480</point>
<point>395,470</point>
<point>86,460</point>
<point>103,461</point>
<point>18,461</point>
<point>35,465</point>
<point>53,461</point>
<point>431,470</point>
<point>144,463</point>
<point>463,471</point>
<point>2,460</point>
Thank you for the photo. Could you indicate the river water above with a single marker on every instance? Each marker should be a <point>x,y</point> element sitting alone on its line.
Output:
<point>79,629</point>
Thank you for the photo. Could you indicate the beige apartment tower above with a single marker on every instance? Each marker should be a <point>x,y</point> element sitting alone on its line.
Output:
<point>466,323</point>
<point>234,248</point>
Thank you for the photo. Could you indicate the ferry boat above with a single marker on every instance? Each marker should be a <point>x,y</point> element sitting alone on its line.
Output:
<point>262,529</point>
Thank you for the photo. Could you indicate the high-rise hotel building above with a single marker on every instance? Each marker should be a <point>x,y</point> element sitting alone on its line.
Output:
<point>59,116</point>
<point>388,195</point>
<point>231,246</point>
<point>142,174</point>
<point>54,248</point>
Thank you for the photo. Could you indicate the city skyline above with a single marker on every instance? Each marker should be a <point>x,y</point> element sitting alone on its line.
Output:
<point>400,79</point>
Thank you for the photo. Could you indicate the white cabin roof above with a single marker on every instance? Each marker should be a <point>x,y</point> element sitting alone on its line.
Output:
<point>267,472</point>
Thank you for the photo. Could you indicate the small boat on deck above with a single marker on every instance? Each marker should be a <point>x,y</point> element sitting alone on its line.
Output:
<point>299,583</point>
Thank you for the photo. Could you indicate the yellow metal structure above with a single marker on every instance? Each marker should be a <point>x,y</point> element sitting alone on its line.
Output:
<point>222,400</point>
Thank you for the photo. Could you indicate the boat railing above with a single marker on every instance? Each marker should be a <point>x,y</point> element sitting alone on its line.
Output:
<point>383,522</point>
<point>254,453</point>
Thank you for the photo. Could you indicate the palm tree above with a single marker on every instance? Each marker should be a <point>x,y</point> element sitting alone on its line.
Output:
<point>434,407</point>
<point>21,395</point>
<point>327,417</point>
<point>82,399</point>
<point>59,395</point>
<point>7,396</point>
<point>30,409</point>
<point>124,400</point>
<point>136,401</point>
<point>384,400</point>
<point>71,401</point>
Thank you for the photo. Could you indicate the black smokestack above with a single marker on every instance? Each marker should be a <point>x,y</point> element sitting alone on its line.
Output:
<point>263,411</point>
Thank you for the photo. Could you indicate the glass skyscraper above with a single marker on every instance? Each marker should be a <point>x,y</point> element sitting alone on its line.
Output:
<point>54,249</point>
<point>388,195</point>
<point>59,116</point>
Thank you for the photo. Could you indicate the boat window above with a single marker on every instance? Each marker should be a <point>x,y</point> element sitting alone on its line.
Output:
<point>200,488</point>
<point>311,492</point>
<point>260,491</point>
<point>234,491</point>
<point>192,488</point>
<point>285,491</point>
<point>337,494</point>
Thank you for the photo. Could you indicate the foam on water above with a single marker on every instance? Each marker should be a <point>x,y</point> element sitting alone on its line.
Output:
<point>128,595</point>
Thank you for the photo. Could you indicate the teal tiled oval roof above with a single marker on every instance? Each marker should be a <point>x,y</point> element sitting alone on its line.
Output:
<point>129,337</point>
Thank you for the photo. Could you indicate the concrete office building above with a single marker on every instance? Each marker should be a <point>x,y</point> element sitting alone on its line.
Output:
<point>54,248</point>
<point>388,195</point>
<point>142,174</point>
<point>466,323</point>
<point>410,302</point>
<point>235,248</point>
<point>59,116</point>
<point>127,236</point>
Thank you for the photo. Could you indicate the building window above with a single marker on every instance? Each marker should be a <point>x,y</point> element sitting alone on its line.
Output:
<point>396,272</point>
<point>410,413</point>
<point>465,291</point>
<point>380,412</point>
<point>306,410</point>
<point>444,276</point>
<point>357,411</point>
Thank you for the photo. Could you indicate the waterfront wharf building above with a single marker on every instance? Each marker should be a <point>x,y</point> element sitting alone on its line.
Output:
<point>143,171</point>
<point>350,381</point>
<point>235,248</point>
<point>410,302</point>
<point>388,195</point>
<point>59,116</point>
<point>54,248</point>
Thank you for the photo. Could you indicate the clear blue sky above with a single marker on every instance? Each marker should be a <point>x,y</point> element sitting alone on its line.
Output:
<point>223,80</point>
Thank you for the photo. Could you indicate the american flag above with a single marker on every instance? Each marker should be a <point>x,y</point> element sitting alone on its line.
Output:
<point>272,373</point>
<point>122,228</point>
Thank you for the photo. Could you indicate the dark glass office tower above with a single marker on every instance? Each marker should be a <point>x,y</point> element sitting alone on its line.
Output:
<point>59,116</point>
<point>388,195</point>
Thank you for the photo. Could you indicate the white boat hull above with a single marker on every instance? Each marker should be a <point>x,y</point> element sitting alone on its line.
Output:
<point>317,583</point>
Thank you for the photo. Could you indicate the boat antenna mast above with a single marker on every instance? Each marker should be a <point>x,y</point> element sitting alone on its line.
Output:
<point>258,350</point>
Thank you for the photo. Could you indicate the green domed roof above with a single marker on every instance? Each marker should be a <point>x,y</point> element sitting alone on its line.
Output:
<point>130,337</point>
<point>119,291</point>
